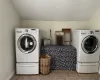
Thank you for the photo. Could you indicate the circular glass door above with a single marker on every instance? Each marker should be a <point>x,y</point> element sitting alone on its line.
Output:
<point>26,43</point>
<point>90,44</point>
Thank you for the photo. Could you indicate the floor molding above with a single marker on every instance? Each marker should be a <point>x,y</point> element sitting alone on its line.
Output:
<point>10,75</point>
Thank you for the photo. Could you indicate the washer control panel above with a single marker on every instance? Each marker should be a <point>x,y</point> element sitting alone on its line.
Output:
<point>26,30</point>
<point>89,32</point>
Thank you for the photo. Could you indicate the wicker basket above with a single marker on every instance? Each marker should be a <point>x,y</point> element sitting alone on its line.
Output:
<point>45,64</point>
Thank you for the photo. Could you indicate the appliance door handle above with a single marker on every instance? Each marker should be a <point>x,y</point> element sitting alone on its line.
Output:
<point>26,66</point>
<point>88,65</point>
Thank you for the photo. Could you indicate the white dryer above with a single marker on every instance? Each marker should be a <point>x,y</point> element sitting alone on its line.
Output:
<point>88,48</point>
<point>27,50</point>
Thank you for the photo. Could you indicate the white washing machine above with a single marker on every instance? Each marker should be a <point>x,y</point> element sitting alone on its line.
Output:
<point>88,50</point>
<point>27,50</point>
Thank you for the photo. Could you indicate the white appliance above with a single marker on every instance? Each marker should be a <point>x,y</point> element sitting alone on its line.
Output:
<point>27,50</point>
<point>87,45</point>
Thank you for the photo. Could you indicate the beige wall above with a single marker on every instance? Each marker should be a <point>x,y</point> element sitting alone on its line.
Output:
<point>95,20</point>
<point>45,26</point>
<point>8,21</point>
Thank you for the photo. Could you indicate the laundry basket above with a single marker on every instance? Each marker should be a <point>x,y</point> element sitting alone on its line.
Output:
<point>45,64</point>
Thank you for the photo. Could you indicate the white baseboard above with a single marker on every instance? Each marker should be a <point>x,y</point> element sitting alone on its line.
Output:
<point>10,75</point>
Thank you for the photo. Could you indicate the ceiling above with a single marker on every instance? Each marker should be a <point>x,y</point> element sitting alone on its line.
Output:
<point>68,10</point>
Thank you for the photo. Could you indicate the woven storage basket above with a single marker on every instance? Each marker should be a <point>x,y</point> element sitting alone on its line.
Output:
<point>45,64</point>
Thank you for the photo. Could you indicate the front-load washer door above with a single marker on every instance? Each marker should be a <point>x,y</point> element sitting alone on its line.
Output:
<point>26,43</point>
<point>90,44</point>
<point>89,51</point>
